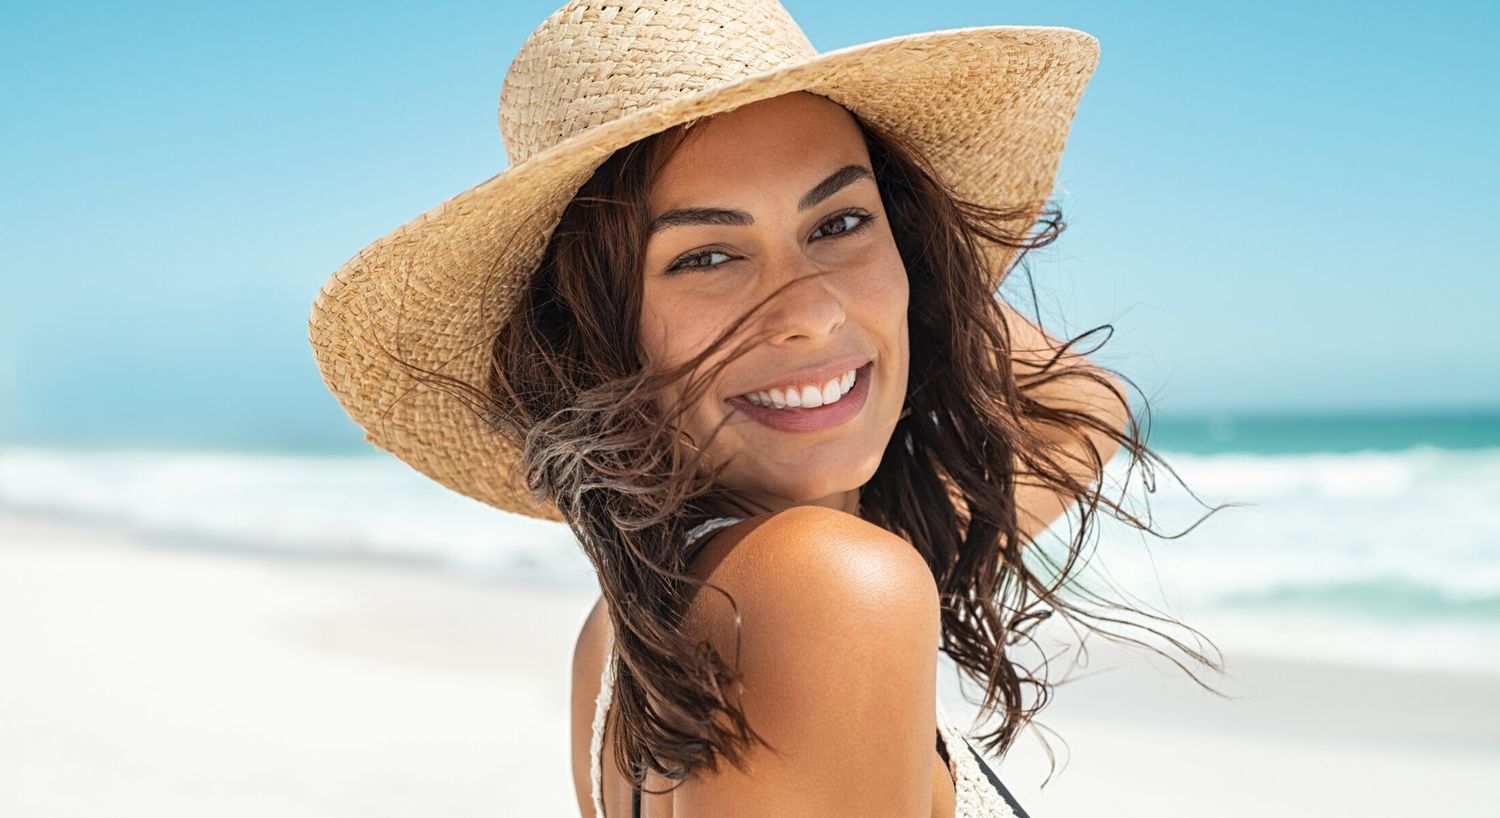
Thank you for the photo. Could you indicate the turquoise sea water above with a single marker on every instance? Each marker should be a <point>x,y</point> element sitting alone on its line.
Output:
<point>1275,434</point>
<point>1368,538</point>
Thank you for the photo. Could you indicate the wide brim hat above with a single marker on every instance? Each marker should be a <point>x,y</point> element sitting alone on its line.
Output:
<point>989,107</point>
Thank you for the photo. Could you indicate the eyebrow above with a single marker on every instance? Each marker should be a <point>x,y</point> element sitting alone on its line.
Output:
<point>836,181</point>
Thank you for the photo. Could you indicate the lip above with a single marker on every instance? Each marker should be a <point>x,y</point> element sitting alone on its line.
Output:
<point>812,420</point>
<point>815,375</point>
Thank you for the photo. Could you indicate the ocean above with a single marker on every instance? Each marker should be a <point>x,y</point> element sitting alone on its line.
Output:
<point>1368,540</point>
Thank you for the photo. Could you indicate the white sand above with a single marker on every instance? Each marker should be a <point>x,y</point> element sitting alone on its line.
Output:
<point>140,679</point>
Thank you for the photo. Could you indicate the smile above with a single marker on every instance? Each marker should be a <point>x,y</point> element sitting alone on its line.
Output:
<point>811,407</point>
<point>809,397</point>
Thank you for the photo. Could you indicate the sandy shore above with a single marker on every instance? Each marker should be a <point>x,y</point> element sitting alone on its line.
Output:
<point>141,679</point>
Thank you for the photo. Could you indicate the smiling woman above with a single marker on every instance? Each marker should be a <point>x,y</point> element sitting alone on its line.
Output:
<point>756,350</point>
<point>782,274</point>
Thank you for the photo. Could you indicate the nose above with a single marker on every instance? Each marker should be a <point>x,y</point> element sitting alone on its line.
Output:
<point>809,308</point>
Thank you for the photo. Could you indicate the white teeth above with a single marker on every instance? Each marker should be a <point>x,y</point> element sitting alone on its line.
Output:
<point>806,397</point>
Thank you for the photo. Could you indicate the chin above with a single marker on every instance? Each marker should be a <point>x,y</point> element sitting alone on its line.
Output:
<point>817,486</point>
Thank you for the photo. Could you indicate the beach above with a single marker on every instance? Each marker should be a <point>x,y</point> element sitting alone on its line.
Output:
<point>143,677</point>
<point>259,260</point>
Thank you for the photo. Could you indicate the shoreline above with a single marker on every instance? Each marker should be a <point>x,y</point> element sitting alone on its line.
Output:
<point>142,677</point>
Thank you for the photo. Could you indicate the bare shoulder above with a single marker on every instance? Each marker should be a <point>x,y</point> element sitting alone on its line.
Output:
<point>845,558</point>
<point>838,646</point>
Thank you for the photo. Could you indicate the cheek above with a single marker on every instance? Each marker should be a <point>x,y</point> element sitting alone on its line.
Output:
<point>650,345</point>
<point>667,340</point>
<point>664,342</point>
<point>884,304</point>
<point>668,325</point>
<point>884,293</point>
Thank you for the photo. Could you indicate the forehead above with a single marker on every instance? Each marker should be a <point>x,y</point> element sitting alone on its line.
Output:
<point>793,139</point>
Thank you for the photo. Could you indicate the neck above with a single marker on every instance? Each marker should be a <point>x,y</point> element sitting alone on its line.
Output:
<point>751,504</point>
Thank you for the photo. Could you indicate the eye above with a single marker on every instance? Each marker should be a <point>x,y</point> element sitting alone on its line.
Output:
<point>839,222</point>
<point>841,219</point>
<point>694,261</point>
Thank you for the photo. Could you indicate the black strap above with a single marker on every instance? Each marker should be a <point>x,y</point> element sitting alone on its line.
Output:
<point>995,780</point>
<point>943,751</point>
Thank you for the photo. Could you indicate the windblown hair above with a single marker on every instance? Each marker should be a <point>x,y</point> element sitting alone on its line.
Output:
<point>569,383</point>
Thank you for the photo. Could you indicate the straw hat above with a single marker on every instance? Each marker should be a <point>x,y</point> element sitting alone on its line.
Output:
<point>990,107</point>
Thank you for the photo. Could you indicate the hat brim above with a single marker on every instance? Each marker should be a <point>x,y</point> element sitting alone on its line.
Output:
<point>989,106</point>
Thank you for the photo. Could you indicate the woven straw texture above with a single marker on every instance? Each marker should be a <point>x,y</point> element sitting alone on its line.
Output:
<point>990,106</point>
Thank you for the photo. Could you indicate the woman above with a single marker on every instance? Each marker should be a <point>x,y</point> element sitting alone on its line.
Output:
<point>731,316</point>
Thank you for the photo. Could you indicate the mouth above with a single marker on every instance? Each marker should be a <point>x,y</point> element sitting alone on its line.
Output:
<point>803,419</point>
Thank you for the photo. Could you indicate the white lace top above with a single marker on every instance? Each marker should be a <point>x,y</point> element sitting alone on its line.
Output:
<point>977,794</point>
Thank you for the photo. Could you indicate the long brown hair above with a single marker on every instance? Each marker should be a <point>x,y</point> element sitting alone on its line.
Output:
<point>568,382</point>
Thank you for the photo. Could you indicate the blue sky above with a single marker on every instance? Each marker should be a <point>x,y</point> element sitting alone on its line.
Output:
<point>1278,206</point>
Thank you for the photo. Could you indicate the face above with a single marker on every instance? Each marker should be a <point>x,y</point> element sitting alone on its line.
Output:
<point>767,194</point>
